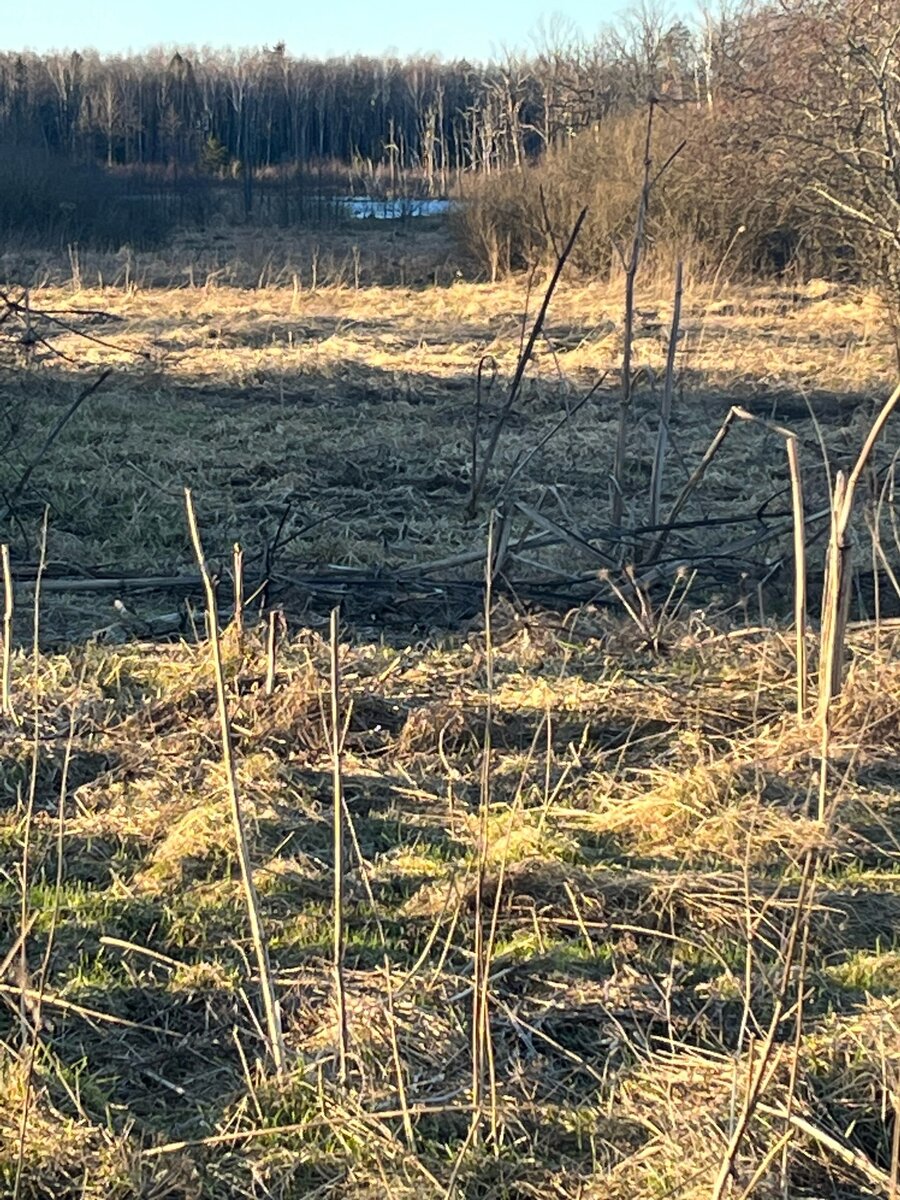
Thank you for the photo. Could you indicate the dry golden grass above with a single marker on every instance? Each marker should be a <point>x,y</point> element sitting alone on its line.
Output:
<point>652,812</point>
<point>645,868</point>
<point>313,411</point>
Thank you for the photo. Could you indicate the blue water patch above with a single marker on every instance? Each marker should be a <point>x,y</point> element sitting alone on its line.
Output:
<point>363,208</point>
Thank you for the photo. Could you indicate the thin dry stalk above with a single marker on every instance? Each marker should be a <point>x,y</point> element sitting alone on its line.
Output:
<point>631,270</point>
<point>26,917</point>
<point>479,479</point>
<point>270,1003</point>
<point>6,704</point>
<point>835,611</point>
<point>665,412</point>
<point>271,652</point>
<point>237,571</point>
<point>835,602</point>
<point>481,1033</point>
<point>339,929</point>
<point>483,384</point>
<point>799,576</point>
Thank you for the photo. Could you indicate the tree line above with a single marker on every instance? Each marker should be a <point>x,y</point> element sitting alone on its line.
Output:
<point>266,108</point>
<point>778,122</point>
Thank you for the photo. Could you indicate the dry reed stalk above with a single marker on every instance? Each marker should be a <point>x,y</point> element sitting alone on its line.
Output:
<point>835,602</point>
<point>631,269</point>
<point>737,413</point>
<point>665,412</point>
<point>481,1030</point>
<point>339,930</point>
<point>276,1047</point>
<point>630,266</point>
<point>237,571</point>
<point>6,704</point>
<point>271,651</point>
<point>26,918</point>
<point>799,576</point>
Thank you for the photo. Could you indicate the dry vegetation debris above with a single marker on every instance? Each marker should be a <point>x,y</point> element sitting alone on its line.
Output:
<point>645,855</point>
<point>645,866</point>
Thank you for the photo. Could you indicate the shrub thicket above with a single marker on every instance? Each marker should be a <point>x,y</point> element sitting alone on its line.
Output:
<point>56,203</point>
<point>791,159</point>
<point>725,199</point>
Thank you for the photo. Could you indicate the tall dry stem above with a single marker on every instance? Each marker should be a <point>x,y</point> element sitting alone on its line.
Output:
<point>6,704</point>
<point>481,1030</point>
<point>339,928</point>
<point>631,270</point>
<point>26,917</point>
<point>836,598</point>
<point>276,1047</point>
<point>665,412</point>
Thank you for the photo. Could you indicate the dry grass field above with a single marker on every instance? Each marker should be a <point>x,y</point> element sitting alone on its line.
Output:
<point>582,843</point>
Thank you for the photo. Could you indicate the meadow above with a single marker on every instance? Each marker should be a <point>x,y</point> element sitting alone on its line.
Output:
<point>613,922</point>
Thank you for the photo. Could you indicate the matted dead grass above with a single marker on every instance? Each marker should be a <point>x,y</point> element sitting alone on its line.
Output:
<point>644,869</point>
<point>335,423</point>
<point>653,802</point>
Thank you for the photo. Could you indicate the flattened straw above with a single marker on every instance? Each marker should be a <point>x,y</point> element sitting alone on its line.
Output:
<point>270,1003</point>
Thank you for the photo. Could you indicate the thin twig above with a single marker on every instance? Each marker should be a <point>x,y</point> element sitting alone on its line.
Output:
<point>665,412</point>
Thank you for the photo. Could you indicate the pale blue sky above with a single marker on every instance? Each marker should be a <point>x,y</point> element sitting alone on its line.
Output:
<point>318,28</point>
